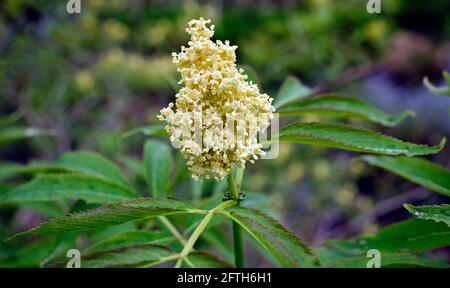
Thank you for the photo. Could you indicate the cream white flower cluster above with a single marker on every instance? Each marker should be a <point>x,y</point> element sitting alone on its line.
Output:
<point>218,113</point>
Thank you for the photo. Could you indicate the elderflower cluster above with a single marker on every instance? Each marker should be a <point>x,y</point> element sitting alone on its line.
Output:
<point>218,113</point>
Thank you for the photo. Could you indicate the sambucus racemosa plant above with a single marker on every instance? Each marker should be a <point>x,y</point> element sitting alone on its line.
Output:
<point>214,91</point>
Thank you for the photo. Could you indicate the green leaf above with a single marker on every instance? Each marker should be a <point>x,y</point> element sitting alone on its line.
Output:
<point>414,235</point>
<point>390,260</point>
<point>291,90</point>
<point>89,163</point>
<point>11,118</point>
<point>27,256</point>
<point>11,134</point>
<point>333,251</point>
<point>440,91</point>
<point>284,245</point>
<point>131,238</point>
<point>45,208</point>
<point>8,170</point>
<point>420,171</point>
<point>214,237</point>
<point>446,76</point>
<point>127,256</point>
<point>353,139</point>
<point>205,260</point>
<point>93,164</point>
<point>63,243</point>
<point>134,167</point>
<point>151,130</point>
<point>114,214</point>
<point>158,160</point>
<point>4,189</point>
<point>67,186</point>
<point>101,234</point>
<point>439,213</point>
<point>339,105</point>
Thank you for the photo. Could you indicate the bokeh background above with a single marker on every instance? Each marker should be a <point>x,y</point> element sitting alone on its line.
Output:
<point>92,76</point>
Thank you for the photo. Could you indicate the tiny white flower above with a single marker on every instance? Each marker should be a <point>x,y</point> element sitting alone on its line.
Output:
<point>213,91</point>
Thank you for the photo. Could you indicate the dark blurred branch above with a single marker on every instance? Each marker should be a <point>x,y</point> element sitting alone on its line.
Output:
<point>6,39</point>
<point>354,226</point>
<point>348,76</point>
<point>383,208</point>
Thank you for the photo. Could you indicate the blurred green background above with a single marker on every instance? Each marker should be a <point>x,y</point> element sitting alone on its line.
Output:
<point>92,76</point>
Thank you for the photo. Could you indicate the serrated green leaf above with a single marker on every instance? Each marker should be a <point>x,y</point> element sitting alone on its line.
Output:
<point>414,235</point>
<point>420,171</point>
<point>151,130</point>
<point>291,90</point>
<point>353,139</point>
<point>202,259</point>
<point>114,214</point>
<point>67,186</point>
<point>283,244</point>
<point>339,105</point>
<point>158,161</point>
<point>93,164</point>
<point>391,260</point>
<point>127,256</point>
<point>11,134</point>
<point>131,238</point>
<point>438,213</point>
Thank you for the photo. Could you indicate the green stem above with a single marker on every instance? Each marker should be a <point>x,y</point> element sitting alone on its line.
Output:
<point>238,246</point>
<point>232,187</point>
<point>239,177</point>
<point>172,229</point>
<point>160,261</point>
<point>188,262</point>
<point>199,230</point>
<point>197,187</point>
<point>237,230</point>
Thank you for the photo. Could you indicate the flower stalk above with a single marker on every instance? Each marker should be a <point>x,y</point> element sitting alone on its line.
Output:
<point>199,230</point>
<point>235,187</point>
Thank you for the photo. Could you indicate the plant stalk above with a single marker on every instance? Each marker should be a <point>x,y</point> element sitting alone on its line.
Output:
<point>199,230</point>
<point>172,229</point>
<point>166,222</point>
<point>160,261</point>
<point>237,230</point>
<point>238,246</point>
